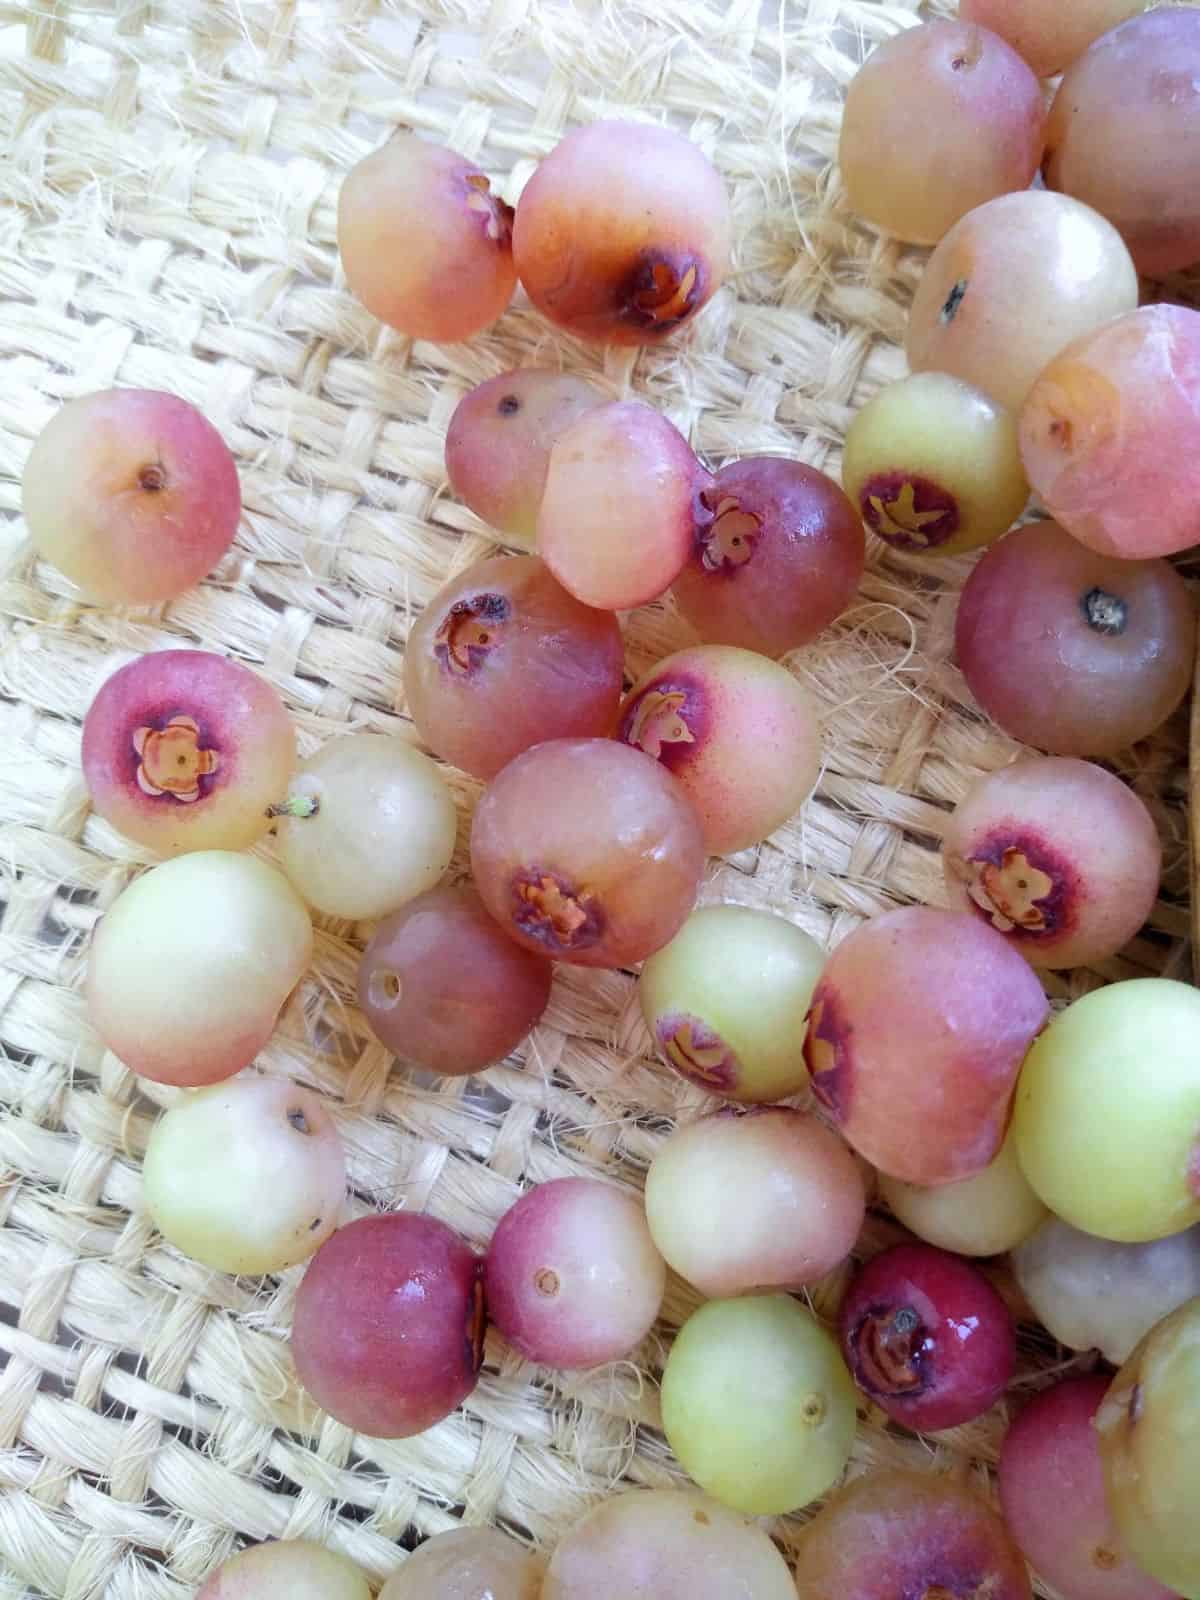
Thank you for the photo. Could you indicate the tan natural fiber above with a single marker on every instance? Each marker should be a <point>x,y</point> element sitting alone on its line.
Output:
<point>169,183</point>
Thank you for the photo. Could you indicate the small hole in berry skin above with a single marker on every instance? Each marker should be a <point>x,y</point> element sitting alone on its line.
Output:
<point>958,63</point>
<point>545,1281</point>
<point>152,478</point>
<point>384,989</point>
<point>509,406</point>
<point>299,1121</point>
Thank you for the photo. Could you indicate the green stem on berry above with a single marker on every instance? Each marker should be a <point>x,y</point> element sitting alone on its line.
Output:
<point>296,805</point>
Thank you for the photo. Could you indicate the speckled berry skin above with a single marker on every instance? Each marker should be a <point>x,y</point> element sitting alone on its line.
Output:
<point>918,1028</point>
<point>1108,433</point>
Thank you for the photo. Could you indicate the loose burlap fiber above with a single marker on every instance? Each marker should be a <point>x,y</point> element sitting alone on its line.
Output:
<point>169,178</point>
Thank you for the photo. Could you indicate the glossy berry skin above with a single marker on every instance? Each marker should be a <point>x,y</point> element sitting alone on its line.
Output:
<point>499,441</point>
<point>926,1336</point>
<point>918,1027</point>
<point>1058,855</point>
<point>298,1568</point>
<point>757,1404</point>
<point>572,1276</point>
<point>777,556</point>
<point>666,1544</point>
<point>623,233</point>
<point>1013,283</point>
<point>1150,1448</point>
<point>184,750</point>
<point>981,1216</point>
<point>618,513</point>
<point>737,731</point>
<point>938,119</point>
<point>387,1333</point>
<point>895,1533</point>
<point>132,494</point>
<point>368,824</point>
<point>1107,429</point>
<point>424,243</point>
<point>502,658</point>
<point>1071,651</point>
<point>282,1175</point>
<point>587,851</point>
<point>799,1201</point>
<point>726,1000</point>
<point>1098,1294</point>
<point>933,466</point>
<point>1124,135</point>
<point>468,1564</point>
<point>1052,1491</point>
<point>191,965</point>
<point>1107,1112</point>
<point>443,986</point>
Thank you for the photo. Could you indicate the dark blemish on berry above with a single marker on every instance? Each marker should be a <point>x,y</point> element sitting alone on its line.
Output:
<point>953,301</point>
<point>1105,613</point>
<point>827,1054</point>
<point>890,1351</point>
<point>152,477</point>
<point>509,405</point>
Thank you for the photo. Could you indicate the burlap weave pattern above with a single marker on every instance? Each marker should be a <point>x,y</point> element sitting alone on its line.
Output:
<point>168,185</point>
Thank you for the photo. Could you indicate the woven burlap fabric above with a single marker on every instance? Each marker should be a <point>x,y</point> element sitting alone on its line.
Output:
<point>169,179</point>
